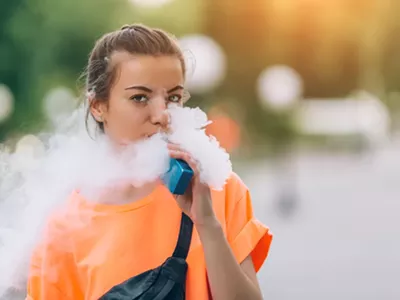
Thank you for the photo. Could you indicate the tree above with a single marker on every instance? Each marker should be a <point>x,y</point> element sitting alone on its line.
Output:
<point>45,43</point>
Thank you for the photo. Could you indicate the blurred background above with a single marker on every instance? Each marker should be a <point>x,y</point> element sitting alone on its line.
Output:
<point>305,95</point>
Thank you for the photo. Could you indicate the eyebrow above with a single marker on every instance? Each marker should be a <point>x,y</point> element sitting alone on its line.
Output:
<point>148,90</point>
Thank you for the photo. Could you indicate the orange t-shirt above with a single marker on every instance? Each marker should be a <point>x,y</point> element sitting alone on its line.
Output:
<point>89,248</point>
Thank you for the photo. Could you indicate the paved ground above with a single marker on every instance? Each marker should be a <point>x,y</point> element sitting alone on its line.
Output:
<point>343,239</point>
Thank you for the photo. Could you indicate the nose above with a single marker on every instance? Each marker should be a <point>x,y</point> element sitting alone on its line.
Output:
<point>158,112</point>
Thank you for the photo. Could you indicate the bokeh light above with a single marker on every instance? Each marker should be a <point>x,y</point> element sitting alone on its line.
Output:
<point>59,103</point>
<point>28,150</point>
<point>150,3</point>
<point>302,60</point>
<point>206,63</point>
<point>279,87</point>
<point>374,118</point>
<point>363,114</point>
<point>6,103</point>
<point>224,129</point>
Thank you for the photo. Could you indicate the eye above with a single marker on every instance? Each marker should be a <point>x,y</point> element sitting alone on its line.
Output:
<point>139,98</point>
<point>175,98</point>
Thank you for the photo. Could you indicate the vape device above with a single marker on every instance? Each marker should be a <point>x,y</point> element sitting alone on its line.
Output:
<point>178,177</point>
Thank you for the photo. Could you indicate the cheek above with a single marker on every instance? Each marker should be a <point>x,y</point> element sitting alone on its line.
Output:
<point>120,111</point>
<point>126,120</point>
<point>127,114</point>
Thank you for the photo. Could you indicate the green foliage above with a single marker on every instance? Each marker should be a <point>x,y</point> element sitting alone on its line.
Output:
<point>44,43</point>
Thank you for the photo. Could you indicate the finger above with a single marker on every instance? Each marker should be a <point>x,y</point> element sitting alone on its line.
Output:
<point>177,148</point>
<point>193,164</point>
<point>179,155</point>
<point>173,146</point>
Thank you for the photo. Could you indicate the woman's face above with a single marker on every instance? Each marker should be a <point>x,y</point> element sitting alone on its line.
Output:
<point>143,88</point>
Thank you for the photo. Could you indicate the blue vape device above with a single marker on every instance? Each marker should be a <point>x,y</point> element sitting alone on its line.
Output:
<point>178,177</point>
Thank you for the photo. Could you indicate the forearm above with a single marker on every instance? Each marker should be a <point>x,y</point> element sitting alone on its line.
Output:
<point>227,279</point>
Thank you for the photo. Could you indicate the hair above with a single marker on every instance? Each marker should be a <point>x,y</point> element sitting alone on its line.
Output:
<point>135,39</point>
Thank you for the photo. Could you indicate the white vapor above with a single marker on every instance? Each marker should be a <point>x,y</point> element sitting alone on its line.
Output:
<point>73,160</point>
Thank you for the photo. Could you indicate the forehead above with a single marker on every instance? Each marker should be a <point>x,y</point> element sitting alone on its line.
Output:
<point>151,71</point>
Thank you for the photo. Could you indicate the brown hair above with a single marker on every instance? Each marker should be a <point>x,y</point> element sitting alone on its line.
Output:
<point>133,39</point>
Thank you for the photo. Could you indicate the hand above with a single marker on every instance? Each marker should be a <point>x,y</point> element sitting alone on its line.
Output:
<point>196,202</point>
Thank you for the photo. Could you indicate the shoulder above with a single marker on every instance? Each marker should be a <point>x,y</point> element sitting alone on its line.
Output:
<point>226,200</point>
<point>61,221</point>
<point>245,233</point>
<point>234,190</point>
<point>52,240</point>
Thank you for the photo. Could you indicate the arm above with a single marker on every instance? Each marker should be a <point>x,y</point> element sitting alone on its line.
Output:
<point>232,259</point>
<point>228,279</point>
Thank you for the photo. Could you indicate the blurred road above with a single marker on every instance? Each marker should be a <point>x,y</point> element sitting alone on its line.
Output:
<point>342,241</point>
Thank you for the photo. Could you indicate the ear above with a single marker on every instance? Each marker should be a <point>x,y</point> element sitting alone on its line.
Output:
<point>98,109</point>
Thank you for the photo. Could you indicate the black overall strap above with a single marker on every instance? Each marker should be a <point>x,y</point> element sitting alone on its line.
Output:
<point>185,237</point>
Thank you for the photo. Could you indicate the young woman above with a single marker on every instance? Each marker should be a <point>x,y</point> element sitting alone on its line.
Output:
<point>132,75</point>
